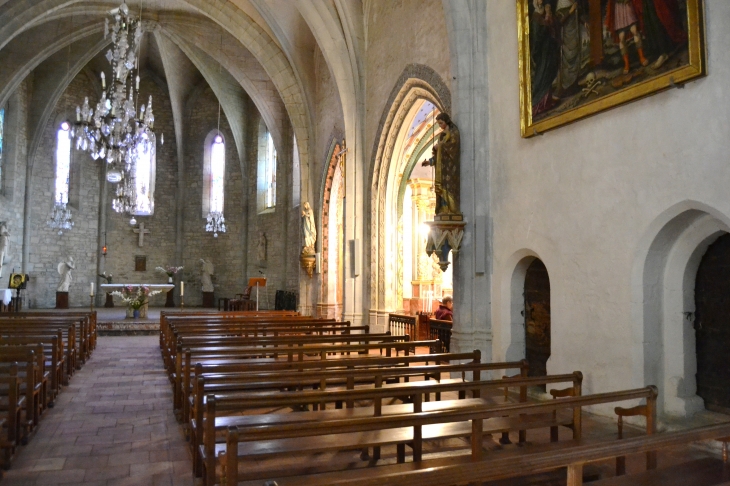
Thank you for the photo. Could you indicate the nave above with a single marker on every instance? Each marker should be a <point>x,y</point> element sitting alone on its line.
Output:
<point>113,425</point>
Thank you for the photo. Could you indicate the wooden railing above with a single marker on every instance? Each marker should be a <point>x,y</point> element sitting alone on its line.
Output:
<point>441,330</point>
<point>400,325</point>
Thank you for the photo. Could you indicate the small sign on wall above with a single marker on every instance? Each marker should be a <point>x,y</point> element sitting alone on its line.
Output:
<point>140,263</point>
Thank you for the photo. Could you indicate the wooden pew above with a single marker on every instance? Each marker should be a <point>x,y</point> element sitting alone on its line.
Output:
<point>12,402</point>
<point>573,456</point>
<point>66,332</point>
<point>251,442</point>
<point>259,368</point>
<point>85,331</point>
<point>25,357</point>
<point>258,384</point>
<point>52,352</point>
<point>284,353</point>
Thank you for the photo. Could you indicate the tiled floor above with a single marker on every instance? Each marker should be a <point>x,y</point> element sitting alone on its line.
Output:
<point>113,425</point>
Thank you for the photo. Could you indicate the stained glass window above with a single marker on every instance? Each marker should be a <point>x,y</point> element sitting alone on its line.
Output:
<point>63,163</point>
<point>217,173</point>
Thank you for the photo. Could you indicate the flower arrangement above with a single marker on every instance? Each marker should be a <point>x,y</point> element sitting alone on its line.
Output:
<point>135,297</point>
<point>106,277</point>
<point>169,271</point>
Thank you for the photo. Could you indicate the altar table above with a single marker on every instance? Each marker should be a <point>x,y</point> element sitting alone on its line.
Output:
<point>143,309</point>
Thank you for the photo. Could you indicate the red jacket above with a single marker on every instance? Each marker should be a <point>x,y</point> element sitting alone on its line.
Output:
<point>443,313</point>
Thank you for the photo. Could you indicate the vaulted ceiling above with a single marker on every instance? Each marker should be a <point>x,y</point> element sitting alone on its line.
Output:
<point>264,48</point>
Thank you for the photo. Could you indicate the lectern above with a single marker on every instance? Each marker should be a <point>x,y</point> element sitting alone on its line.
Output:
<point>257,282</point>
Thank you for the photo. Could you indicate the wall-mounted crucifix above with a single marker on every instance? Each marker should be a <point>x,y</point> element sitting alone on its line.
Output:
<point>141,231</point>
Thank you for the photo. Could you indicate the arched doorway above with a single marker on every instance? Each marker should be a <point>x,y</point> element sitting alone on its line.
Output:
<point>537,318</point>
<point>333,217</point>
<point>712,325</point>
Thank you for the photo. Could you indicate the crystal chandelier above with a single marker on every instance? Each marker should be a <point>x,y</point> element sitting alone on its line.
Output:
<point>114,131</point>
<point>60,217</point>
<point>216,223</point>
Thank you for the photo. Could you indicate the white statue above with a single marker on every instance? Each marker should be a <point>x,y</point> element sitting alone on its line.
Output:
<point>261,248</point>
<point>4,245</point>
<point>64,270</point>
<point>207,273</point>
<point>309,230</point>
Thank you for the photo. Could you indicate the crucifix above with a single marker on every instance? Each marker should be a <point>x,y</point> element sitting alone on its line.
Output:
<point>141,231</point>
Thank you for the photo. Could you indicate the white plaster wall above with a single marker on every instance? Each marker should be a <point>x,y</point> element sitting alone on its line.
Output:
<point>582,198</point>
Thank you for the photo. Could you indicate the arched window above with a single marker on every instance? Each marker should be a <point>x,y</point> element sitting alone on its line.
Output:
<point>144,176</point>
<point>266,171</point>
<point>214,172</point>
<point>270,172</point>
<point>2,137</point>
<point>63,163</point>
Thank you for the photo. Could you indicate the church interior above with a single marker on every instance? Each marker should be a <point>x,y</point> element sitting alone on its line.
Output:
<point>530,187</point>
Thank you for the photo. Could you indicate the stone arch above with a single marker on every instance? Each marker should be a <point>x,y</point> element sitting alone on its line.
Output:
<point>416,83</point>
<point>663,284</point>
<point>327,308</point>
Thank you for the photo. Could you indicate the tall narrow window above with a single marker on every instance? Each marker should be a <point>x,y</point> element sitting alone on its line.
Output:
<point>214,173</point>
<point>2,139</point>
<point>144,176</point>
<point>63,163</point>
<point>270,172</point>
<point>217,173</point>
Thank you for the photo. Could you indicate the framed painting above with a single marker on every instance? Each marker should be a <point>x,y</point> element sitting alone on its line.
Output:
<point>580,57</point>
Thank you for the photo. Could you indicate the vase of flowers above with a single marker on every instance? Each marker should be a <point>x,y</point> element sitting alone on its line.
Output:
<point>136,297</point>
<point>170,271</point>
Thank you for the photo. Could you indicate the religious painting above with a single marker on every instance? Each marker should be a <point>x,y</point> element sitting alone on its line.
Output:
<point>140,263</point>
<point>18,281</point>
<point>580,57</point>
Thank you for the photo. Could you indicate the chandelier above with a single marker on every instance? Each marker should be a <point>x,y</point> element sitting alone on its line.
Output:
<point>114,131</point>
<point>216,223</point>
<point>60,217</point>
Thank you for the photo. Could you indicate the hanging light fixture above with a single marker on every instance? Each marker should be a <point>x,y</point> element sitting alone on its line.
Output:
<point>114,130</point>
<point>216,223</point>
<point>60,218</point>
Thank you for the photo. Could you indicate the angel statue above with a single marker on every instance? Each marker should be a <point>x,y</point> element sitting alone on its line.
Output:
<point>206,275</point>
<point>64,270</point>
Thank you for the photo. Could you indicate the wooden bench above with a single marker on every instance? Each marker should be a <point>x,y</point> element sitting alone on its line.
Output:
<point>414,392</point>
<point>289,354</point>
<point>52,352</point>
<point>297,367</point>
<point>246,442</point>
<point>12,404</point>
<point>266,387</point>
<point>573,455</point>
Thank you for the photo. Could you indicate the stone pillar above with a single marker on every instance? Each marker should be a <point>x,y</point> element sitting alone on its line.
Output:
<point>466,21</point>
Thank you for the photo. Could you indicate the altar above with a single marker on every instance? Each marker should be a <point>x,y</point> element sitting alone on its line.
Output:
<point>135,287</point>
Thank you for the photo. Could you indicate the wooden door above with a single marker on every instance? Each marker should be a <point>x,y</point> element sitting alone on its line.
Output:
<point>537,318</point>
<point>712,326</point>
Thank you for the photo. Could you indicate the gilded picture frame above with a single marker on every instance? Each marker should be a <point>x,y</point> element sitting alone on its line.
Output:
<point>581,57</point>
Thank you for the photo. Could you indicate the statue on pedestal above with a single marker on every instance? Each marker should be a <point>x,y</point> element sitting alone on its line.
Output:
<point>446,160</point>
<point>309,238</point>
<point>309,230</point>
<point>4,245</point>
<point>64,270</point>
<point>206,275</point>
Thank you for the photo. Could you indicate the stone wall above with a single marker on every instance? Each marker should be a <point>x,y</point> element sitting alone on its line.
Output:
<point>159,243</point>
<point>226,251</point>
<point>47,247</point>
<point>15,145</point>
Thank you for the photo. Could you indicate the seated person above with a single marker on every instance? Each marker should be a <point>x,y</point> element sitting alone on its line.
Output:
<point>444,312</point>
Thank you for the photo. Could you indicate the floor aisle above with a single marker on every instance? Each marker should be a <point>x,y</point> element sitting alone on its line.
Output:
<point>113,425</point>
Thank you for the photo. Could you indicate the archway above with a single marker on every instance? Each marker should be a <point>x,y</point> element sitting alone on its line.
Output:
<point>333,217</point>
<point>403,141</point>
<point>664,298</point>
<point>712,288</point>
<point>537,317</point>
